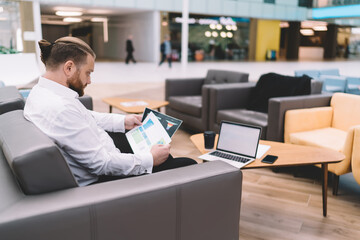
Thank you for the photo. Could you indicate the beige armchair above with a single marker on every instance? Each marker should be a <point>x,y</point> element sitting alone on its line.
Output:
<point>335,127</point>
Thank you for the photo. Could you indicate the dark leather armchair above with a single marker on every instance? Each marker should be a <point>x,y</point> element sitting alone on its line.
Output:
<point>230,103</point>
<point>189,98</point>
<point>40,198</point>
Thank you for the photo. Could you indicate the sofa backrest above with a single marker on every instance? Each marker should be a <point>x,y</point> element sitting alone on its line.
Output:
<point>223,76</point>
<point>345,110</point>
<point>10,99</point>
<point>33,157</point>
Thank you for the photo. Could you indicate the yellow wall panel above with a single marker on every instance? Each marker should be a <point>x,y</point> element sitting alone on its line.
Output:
<point>268,38</point>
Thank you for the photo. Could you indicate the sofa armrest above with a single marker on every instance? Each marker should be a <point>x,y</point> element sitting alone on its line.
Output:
<point>279,105</point>
<point>10,99</point>
<point>300,120</point>
<point>183,87</point>
<point>186,202</point>
<point>228,96</point>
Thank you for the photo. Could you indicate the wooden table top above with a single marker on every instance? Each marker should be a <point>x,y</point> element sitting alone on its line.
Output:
<point>288,154</point>
<point>116,102</point>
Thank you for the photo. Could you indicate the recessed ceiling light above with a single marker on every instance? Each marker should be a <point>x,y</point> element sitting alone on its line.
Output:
<point>98,19</point>
<point>307,32</point>
<point>320,28</point>
<point>68,13</point>
<point>70,19</point>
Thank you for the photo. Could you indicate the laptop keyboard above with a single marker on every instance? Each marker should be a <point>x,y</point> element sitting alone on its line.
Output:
<point>230,157</point>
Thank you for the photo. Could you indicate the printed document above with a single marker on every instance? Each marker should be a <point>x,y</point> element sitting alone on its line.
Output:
<point>151,132</point>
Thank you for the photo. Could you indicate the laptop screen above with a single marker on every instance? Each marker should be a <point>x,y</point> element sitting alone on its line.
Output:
<point>239,138</point>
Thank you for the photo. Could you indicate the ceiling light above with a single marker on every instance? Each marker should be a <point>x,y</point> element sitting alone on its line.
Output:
<point>228,27</point>
<point>320,28</point>
<point>307,32</point>
<point>284,24</point>
<point>234,27</point>
<point>229,34</point>
<point>98,19</point>
<point>219,27</point>
<point>355,30</point>
<point>1,9</point>
<point>214,34</point>
<point>223,34</point>
<point>212,26</point>
<point>70,19</point>
<point>68,13</point>
<point>207,34</point>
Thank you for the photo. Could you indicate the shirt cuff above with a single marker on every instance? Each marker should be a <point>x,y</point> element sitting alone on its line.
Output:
<point>147,162</point>
<point>118,122</point>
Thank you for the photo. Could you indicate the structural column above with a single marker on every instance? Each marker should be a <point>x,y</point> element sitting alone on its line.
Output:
<point>330,42</point>
<point>293,41</point>
<point>185,33</point>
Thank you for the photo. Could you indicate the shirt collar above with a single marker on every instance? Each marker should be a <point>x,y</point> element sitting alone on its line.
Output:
<point>57,88</point>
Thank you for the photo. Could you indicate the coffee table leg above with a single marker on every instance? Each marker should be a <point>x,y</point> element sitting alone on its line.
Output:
<point>324,167</point>
<point>110,109</point>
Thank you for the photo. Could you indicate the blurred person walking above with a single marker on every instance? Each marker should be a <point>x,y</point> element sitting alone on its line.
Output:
<point>129,49</point>
<point>165,49</point>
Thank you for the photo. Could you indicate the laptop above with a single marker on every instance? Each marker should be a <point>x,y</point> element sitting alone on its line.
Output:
<point>237,144</point>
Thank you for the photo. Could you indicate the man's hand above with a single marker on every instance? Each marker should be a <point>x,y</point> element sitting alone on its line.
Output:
<point>132,121</point>
<point>160,153</point>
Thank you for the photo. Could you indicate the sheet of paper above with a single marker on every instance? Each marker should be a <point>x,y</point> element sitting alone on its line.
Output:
<point>134,103</point>
<point>151,132</point>
<point>262,149</point>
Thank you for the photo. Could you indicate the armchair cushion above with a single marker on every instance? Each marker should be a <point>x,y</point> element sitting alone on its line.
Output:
<point>244,116</point>
<point>187,104</point>
<point>330,138</point>
<point>346,110</point>
<point>222,76</point>
<point>275,85</point>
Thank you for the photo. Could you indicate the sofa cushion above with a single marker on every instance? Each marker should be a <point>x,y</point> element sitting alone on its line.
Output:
<point>34,159</point>
<point>187,104</point>
<point>330,138</point>
<point>222,76</point>
<point>244,116</point>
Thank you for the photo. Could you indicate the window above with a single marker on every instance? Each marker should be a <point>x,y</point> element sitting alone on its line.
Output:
<point>305,3</point>
<point>269,1</point>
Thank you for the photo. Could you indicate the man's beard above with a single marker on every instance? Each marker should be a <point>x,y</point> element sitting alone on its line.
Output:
<point>75,84</point>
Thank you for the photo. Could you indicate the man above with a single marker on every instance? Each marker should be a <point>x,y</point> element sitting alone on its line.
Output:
<point>53,106</point>
<point>129,49</point>
<point>165,49</point>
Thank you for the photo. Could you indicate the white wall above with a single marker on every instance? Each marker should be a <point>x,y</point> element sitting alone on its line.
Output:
<point>145,28</point>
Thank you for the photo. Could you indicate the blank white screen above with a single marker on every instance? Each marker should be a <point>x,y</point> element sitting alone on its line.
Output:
<point>238,139</point>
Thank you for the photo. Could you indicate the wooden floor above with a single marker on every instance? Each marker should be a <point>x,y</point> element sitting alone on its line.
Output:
<point>275,205</point>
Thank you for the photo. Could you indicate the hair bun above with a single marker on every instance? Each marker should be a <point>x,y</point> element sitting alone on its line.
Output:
<point>45,47</point>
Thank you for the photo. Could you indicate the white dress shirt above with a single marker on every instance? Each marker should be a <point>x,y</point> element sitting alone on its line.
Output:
<point>80,133</point>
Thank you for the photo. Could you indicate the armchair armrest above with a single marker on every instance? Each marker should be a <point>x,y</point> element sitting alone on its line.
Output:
<point>300,120</point>
<point>355,158</point>
<point>183,87</point>
<point>186,202</point>
<point>87,101</point>
<point>279,105</point>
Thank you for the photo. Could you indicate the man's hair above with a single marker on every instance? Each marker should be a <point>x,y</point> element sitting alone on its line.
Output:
<point>64,49</point>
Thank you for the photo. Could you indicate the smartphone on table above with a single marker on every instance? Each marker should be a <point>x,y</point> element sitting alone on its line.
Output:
<point>269,159</point>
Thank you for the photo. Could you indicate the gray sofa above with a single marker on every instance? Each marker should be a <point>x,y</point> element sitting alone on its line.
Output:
<point>40,198</point>
<point>229,103</point>
<point>10,99</point>
<point>189,98</point>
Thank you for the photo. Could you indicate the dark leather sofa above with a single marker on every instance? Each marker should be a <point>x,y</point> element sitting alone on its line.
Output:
<point>229,102</point>
<point>40,198</point>
<point>189,98</point>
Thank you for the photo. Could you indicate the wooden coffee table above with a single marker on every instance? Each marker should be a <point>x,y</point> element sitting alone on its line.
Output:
<point>130,105</point>
<point>289,155</point>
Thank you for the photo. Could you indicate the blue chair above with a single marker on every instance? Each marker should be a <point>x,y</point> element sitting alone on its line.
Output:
<point>333,72</point>
<point>353,85</point>
<point>311,73</point>
<point>333,83</point>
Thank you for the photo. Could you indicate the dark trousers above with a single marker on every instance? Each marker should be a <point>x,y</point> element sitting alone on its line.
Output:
<point>129,57</point>
<point>168,58</point>
<point>124,146</point>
